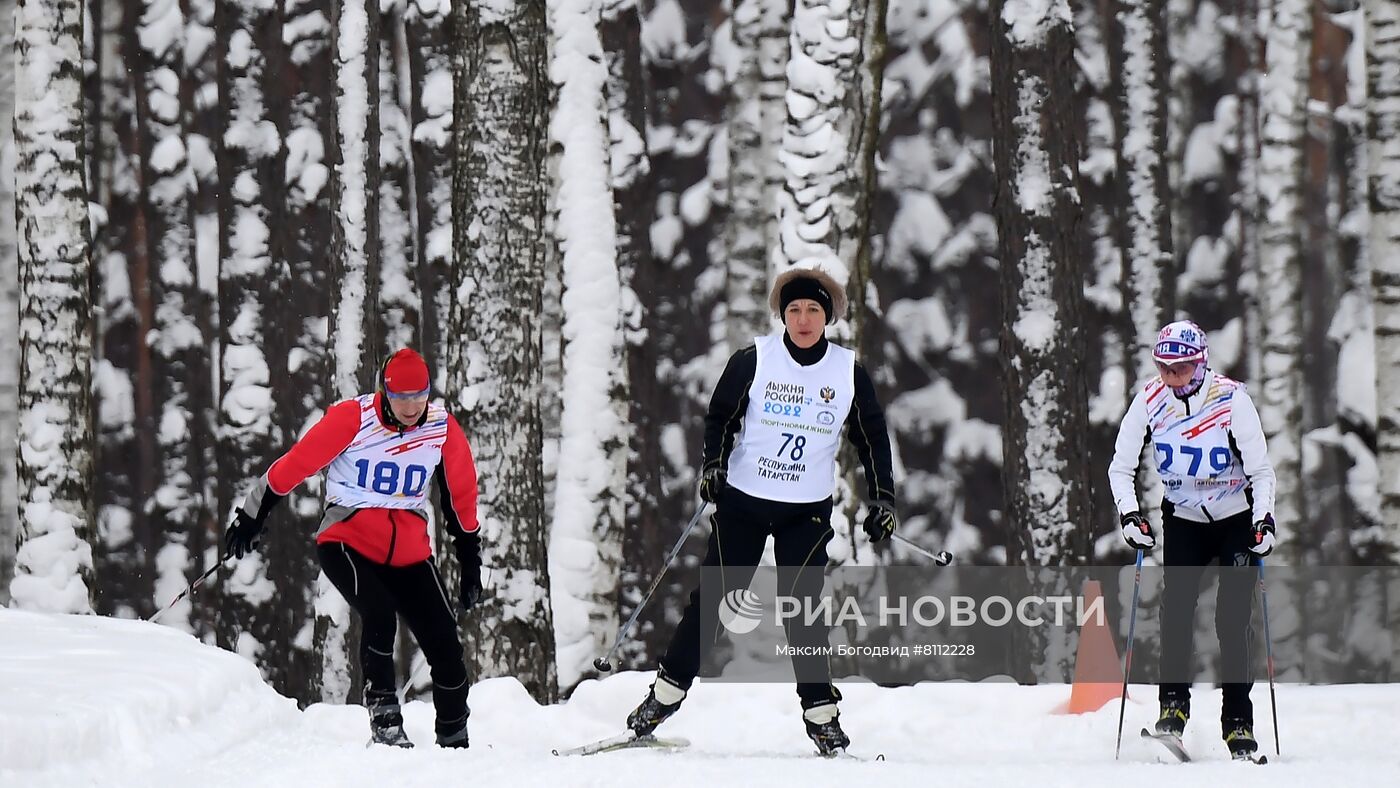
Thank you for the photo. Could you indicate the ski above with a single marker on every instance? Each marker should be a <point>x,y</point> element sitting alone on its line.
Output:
<point>1170,742</point>
<point>625,741</point>
<point>1258,760</point>
<point>842,755</point>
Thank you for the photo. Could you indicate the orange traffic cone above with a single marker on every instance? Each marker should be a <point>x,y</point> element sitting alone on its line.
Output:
<point>1098,675</point>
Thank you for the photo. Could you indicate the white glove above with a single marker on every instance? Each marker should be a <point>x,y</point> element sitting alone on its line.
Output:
<point>1137,532</point>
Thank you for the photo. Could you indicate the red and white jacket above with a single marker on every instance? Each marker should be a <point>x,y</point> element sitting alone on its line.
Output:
<point>377,481</point>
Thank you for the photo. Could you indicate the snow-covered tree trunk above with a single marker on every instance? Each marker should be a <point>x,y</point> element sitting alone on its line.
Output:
<point>125,461</point>
<point>1247,199</point>
<point>1383,247</point>
<point>1140,59</point>
<point>200,102</point>
<point>430,113</point>
<point>53,563</point>
<point>585,545</point>
<point>1037,162</point>
<point>399,304</point>
<point>1283,117</point>
<point>180,316</point>
<point>756,118</point>
<point>499,201</point>
<point>633,203</point>
<point>9,308</point>
<point>354,200</point>
<point>820,210</point>
<point>308,120</point>
<point>265,602</point>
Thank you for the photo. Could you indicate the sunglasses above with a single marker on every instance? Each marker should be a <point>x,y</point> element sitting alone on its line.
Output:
<point>410,395</point>
<point>1177,368</point>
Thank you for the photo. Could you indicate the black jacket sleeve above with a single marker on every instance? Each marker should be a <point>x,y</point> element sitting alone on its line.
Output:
<point>866,431</point>
<point>727,406</point>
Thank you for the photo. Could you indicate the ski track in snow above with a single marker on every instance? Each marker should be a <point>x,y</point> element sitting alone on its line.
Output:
<point>100,701</point>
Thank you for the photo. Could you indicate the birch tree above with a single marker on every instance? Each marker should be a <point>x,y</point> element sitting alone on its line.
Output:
<point>179,315</point>
<point>430,116</point>
<point>1036,157</point>
<point>53,563</point>
<point>308,120</point>
<point>1383,247</point>
<point>586,540</point>
<point>399,303</point>
<point>1283,115</point>
<point>832,100</point>
<point>9,310</point>
<point>125,404</point>
<point>499,198</point>
<point>1138,55</point>
<point>756,119</point>
<point>266,602</point>
<point>627,95</point>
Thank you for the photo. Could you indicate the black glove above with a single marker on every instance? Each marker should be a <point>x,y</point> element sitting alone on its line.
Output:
<point>242,535</point>
<point>1263,537</point>
<point>1137,532</point>
<point>469,558</point>
<point>880,521</point>
<point>712,483</point>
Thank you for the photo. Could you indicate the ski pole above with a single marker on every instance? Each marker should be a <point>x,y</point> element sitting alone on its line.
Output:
<point>191,587</point>
<point>942,557</point>
<point>604,663</point>
<point>1128,654</point>
<point>1269,653</point>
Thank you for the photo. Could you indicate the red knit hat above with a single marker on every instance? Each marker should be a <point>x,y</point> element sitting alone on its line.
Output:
<point>406,373</point>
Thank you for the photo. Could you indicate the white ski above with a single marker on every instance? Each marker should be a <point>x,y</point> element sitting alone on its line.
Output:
<point>625,741</point>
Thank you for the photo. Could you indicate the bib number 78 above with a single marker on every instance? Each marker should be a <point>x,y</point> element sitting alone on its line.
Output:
<point>799,445</point>
<point>1192,455</point>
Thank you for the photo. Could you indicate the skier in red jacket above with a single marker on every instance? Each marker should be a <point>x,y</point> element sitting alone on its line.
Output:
<point>372,543</point>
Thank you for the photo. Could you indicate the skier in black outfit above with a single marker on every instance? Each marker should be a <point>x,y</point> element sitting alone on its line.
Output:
<point>771,435</point>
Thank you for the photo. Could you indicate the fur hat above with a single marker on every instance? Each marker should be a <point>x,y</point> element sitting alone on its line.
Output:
<point>836,291</point>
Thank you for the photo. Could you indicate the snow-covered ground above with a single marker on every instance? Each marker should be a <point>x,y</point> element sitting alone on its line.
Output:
<point>100,701</point>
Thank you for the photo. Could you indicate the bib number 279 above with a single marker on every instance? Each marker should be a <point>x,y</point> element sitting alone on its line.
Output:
<point>1219,458</point>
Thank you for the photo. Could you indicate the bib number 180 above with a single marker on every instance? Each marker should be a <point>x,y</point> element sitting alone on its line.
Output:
<point>384,478</point>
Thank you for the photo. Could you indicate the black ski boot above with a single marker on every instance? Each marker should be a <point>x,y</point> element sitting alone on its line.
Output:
<point>1173,718</point>
<point>824,727</point>
<point>387,728</point>
<point>457,738</point>
<point>656,710</point>
<point>1239,737</point>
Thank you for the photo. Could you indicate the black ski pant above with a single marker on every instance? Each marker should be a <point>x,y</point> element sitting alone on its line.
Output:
<point>1188,548</point>
<point>740,527</point>
<point>379,594</point>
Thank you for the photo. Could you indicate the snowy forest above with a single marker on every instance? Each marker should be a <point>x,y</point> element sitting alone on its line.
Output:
<point>226,215</point>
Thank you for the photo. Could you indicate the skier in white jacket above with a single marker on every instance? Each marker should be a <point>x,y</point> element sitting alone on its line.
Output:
<point>1208,447</point>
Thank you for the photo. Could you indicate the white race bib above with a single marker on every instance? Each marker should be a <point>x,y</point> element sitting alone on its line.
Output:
<point>786,450</point>
<point>383,468</point>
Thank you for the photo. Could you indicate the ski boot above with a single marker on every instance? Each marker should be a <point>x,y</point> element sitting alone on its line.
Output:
<point>663,699</point>
<point>387,728</point>
<point>457,738</point>
<point>1172,720</point>
<point>824,728</point>
<point>1239,737</point>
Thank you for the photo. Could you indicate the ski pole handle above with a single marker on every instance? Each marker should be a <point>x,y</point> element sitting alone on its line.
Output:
<point>942,557</point>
